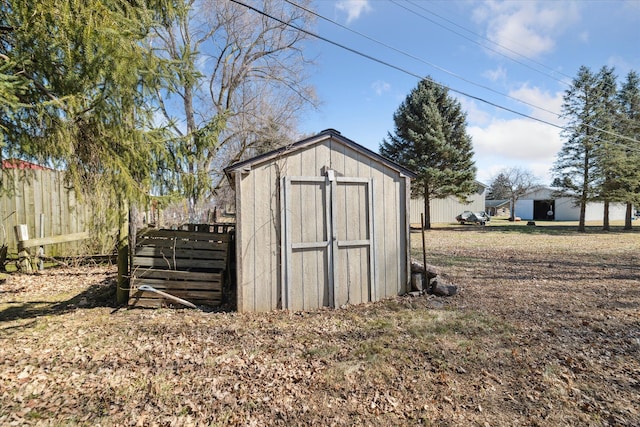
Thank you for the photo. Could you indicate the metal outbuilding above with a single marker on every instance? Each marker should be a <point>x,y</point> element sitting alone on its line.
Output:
<point>322,222</point>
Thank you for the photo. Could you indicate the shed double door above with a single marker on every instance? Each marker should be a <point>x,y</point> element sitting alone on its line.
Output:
<point>328,245</point>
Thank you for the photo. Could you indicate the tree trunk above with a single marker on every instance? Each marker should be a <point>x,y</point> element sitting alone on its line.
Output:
<point>122,291</point>
<point>605,219</point>
<point>512,210</point>
<point>627,216</point>
<point>427,212</point>
<point>583,211</point>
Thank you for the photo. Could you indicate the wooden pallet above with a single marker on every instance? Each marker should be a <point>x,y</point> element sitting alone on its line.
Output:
<point>190,265</point>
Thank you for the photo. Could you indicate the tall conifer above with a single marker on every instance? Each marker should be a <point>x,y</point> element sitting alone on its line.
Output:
<point>83,76</point>
<point>628,126</point>
<point>575,167</point>
<point>608,152</point>
<point>430,138</point>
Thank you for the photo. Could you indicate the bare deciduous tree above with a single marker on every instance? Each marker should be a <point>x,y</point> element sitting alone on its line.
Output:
<point>241,83</point>
<point>516,182</point>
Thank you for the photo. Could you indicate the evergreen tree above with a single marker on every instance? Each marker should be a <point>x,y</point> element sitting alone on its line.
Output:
<point>628,125</point>
<point>78,77</point>
<point>608,153</point>
<point>499,188</point>
<point>430,138</point>
<point>575,169</point>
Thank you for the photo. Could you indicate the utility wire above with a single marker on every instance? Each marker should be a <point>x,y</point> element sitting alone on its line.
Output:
<point>398,68</point>
<point>505,48</point>
<point>437,67</point>
<point>395,67</point>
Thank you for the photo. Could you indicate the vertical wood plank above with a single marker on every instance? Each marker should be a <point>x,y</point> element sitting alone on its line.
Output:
<point>240,258</point>
<point>262,238</point>
<point>399,248</point>
<point>380,224</point>
<point>288,239</point>
<point>372,247</point>
<point>285,243</point>
<point>37,202</point>
<point>406,226</point>
<point>336,286</point>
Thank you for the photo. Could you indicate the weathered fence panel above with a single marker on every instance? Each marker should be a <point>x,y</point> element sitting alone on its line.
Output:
<point>40,199</point>
<point>190,265</point>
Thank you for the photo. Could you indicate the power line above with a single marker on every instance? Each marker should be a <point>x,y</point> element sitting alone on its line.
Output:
<point>484,38</point>
<point>398,68</point>
<point>437,67</point>
<point>395,67</point>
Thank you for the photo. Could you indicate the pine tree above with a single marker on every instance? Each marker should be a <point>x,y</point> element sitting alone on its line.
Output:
<point>608,153</point>
<point>83,83</point>
<point>499,188</point>
<point>628,126</point>
<point>84,76</point>
<point>430,138</point>
<point>575,169</point>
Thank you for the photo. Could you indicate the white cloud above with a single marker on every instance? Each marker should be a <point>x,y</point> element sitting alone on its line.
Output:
<point>520,139</point>
<point>584,37</point>
<point>380,87</point>
<point>494,75</point>
<point>528,28</point>
<point>354,8</point>
<point>551,103</point>
<point>621,65</point>
<point>518,142</point>
<point>475,115</point>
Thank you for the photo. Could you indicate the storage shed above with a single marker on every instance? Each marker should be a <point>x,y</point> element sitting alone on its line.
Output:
<point>320,223</point>
<point>445,210</point>
<point>536,205</point>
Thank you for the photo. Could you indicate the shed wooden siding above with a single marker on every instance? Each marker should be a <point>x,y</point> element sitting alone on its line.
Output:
<point>258,206</point>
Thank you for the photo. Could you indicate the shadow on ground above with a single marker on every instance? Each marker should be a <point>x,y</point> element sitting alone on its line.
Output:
<point>102,294</point>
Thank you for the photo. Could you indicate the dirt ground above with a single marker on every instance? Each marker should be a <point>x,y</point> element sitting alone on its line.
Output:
<point>545,331</point>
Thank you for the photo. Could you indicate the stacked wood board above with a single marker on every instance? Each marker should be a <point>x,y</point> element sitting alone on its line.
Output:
<point>189,265</point>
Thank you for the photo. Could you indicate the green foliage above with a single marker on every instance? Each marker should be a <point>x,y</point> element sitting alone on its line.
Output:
<point>575,169</point>
<point>598,160</point>
<point>610,155</point>
<point>628,125</point>
<point>499,188</point>
<point>430,139</point>
<point>83,79</point>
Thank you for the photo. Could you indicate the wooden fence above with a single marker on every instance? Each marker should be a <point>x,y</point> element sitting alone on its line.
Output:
<point>170,266</point>
<point>40,199</point>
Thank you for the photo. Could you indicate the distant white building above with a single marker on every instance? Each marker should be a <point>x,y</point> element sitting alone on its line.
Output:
<point>541,205</point>
<point>445,210</point>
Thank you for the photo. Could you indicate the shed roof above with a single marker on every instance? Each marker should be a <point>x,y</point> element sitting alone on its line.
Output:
<point>496,203</point>
<point>14,163</point>
<point>322,136</point>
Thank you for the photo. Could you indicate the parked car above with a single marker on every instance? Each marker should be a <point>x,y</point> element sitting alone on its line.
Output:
<point>479,218</point>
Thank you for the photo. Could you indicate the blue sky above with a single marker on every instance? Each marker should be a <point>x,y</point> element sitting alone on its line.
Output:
<point>516,54</point>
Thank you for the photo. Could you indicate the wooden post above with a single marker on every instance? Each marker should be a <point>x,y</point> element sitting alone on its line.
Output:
<point>24,259</point>
<point>122,292</point>
<point>40,252</point>
<point>425,279</point>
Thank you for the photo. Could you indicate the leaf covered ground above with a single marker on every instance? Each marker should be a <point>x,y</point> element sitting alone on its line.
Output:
<point>545,331</point>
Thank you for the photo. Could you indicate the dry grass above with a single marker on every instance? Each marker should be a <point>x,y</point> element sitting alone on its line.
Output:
<point>545,331</point>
